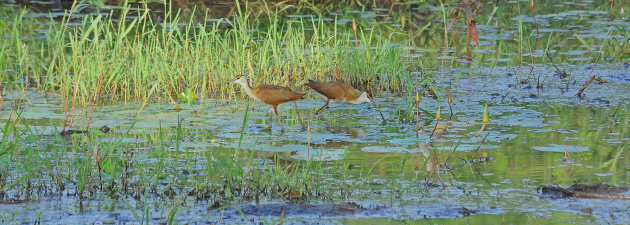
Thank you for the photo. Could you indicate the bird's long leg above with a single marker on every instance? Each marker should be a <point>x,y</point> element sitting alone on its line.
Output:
<point>323,107</point>
<point>275,110</point>
<point>270,119</point>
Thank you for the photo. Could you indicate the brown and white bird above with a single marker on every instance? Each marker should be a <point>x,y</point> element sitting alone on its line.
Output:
<point>337,92</point>
<point>272,95</point>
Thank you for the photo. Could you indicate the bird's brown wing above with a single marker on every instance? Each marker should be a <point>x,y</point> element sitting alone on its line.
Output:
<point>333,90</point>
<point>350,92</point>
<point>274,95</point>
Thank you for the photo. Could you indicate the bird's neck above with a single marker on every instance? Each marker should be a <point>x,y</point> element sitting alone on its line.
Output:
<point>355,101</point>
<point>358,99</point>
<point>248,90</point>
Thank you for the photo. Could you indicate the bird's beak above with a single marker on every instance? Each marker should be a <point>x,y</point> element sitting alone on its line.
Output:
<point>371,98</point>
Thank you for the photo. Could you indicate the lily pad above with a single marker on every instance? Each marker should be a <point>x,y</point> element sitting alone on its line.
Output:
<point>561,148</point>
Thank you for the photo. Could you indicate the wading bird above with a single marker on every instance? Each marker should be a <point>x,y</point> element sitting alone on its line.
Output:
<point>272,95</point>
<point>337,92</point>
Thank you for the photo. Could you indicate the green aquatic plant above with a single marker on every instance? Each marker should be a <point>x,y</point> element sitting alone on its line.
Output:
<point>485,119</point>
<point>188,96</point>
<point>437,121</point>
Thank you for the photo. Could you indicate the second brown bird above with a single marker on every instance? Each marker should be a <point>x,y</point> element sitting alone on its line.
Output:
<point>337,92</point>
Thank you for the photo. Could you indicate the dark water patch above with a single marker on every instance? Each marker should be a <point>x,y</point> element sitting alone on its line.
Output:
<point>343,209</point>
<point>588,199</point>
<point>554,88</point>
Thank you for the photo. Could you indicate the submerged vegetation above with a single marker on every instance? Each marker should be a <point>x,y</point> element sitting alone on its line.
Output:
<point>88,166</point>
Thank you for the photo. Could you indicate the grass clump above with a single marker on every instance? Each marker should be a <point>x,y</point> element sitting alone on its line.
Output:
<point>144,60</point>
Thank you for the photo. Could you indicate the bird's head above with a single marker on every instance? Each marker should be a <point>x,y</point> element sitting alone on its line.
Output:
<point>240,79</point>
<point>364,97</point>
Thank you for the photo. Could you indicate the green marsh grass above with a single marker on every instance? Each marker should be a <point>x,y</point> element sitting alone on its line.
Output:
<point>149,61</point>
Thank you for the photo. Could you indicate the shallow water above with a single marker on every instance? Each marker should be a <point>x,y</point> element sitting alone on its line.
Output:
<point>524,148</point>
